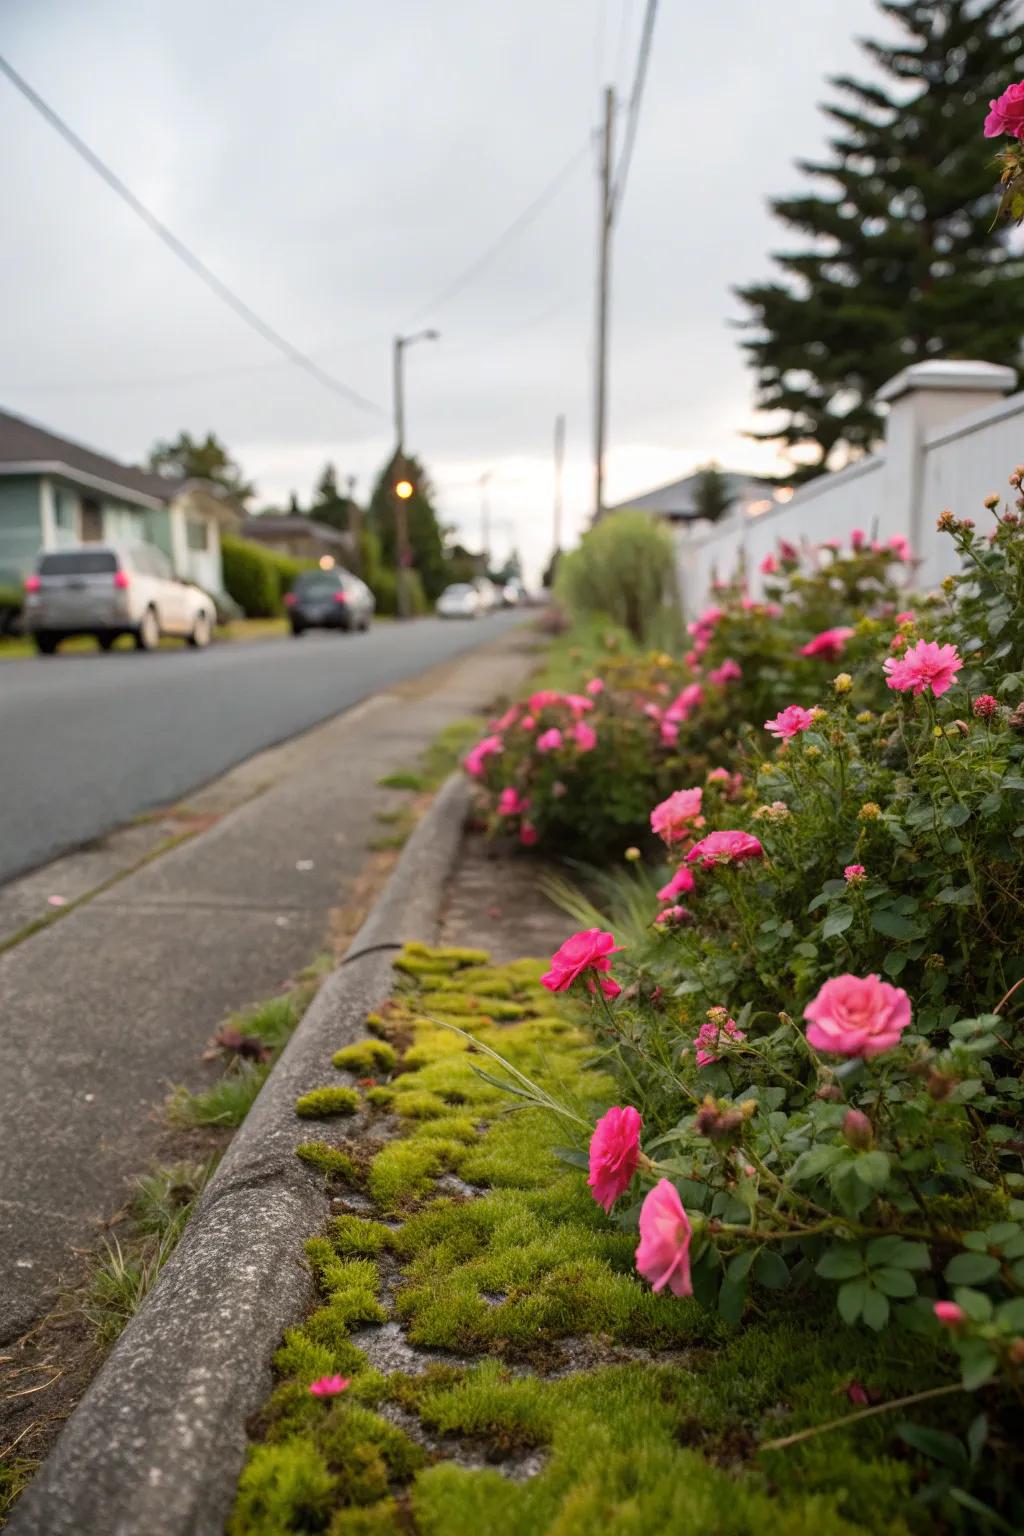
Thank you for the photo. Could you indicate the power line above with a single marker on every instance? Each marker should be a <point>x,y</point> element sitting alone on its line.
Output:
<point>528,214</point>
<point>178,247</point>
<point>635,98</point>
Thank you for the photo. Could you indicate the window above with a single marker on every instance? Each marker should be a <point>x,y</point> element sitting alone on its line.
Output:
<point>98,562</point>
<point>318,583</point>
<point>92,521</point>
<point>197,533</point>
<point>64,511</point>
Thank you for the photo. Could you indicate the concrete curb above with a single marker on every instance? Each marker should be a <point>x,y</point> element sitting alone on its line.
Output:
<point>157,1443</point>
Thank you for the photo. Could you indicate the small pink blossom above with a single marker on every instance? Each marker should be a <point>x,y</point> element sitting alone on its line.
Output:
<point>853,874</point>
<point>830,644</point>
<point>477,756</point>
<point>614,1154</point>
<point>681,884</point>
<point>709,1039</point>
<point>790,722</point>
<point>857,1016</point>
<point>674,817</point>
<point>329,1386</point>
<point>528,834</point>
<point>584,736</point>
<point>1006,113</point>
<point>728,672</point>
<point>788,551</point>
<point>949,1314</point>
<point>508,719</point>
<point>906,617</point>
<point>692,659</point>
<point>527,722</point>
<point>549,741</point>
<point>671,917</point>
<point>725,848</point>
<point>924,665</point>
<point>900,546</point>
<point>663,1254</point>
<point>511,803</point>
<point>718,776</point>
<point>653,711</point>
<point>595,686</point>
<point>578,703</point>
<point>858,538</point>
<point>769,565</point>
<point>544,699</point>
<point>589,950</point>
<point>984,706</point>
<point>558,790</point>
<point>668,732</point>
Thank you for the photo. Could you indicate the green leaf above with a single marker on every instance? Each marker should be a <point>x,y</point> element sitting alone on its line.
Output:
<point>840,1262</point>
<point>731,1298</point>
<point>934,1443</point>
<point>971,1268</point>
<point>894,962</point>
<point>571,1156</point>
<point>977,1364</point>
<point>875,1311</point>
<point>898,1252</point>
<point>956,815</point>
<point>960,896</point>
<point>894,926</point>
<point>739,1264</point>
<point>850,1299</point>
<point>894,1282</point>
<point>976,1437</point>
<point>837,922</point>
<point>816,1161</point>
<point>771,1270</point>
<point>976,1304</point>
<point>872,1168</point>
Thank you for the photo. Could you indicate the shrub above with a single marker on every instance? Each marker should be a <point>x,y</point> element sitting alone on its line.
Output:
<point>624,570</point>
<point>257,578</point>
<point>822,1035</point>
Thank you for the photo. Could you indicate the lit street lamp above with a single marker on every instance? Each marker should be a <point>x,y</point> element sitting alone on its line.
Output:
<point>404,488</point>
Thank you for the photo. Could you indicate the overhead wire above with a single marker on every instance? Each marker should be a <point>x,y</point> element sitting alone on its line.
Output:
<point>178,247</point>
<point>635,99</point>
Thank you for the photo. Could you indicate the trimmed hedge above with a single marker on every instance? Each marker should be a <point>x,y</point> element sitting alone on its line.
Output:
<point>256,577</point>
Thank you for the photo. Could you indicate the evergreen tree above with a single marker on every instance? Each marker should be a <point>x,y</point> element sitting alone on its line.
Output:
<point>425,540</point>
<point>711,493</point>
<point>900,264</point>
<point>191,459</point>
<point>329,505</point>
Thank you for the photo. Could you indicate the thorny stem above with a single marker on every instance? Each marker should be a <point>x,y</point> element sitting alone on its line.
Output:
<point>862,1413</point>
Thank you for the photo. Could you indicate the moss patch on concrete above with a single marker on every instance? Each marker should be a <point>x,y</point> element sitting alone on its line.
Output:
<point>540,1387</point>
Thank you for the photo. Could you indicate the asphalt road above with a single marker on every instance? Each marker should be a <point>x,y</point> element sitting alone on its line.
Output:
<point>88,741</point>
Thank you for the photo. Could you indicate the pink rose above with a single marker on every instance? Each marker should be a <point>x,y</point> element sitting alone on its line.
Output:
<point>549,741</point>
<point>681,884</point>
<point>857,539</point>
<point>590,950</point>
<point>857,1016</point>
<point>595,686</point>
<point>829,644</point>
<point>788,551</point>
<point>708,1039</point>
<point>718,776</point>
<point>578,703</point>
<point>725,848</point>
<point>329,1386</point>
<point>544,700</point>
<point>614,1154</point>
<point>584,736</point>
<point>673,818</point>
<point>527,722</point>
<point>854,874</point>
<point>728,672</point>
<point>528,834</point>
<point>668,732</point>
<point>793,719</point>
<point>900,546</point>
<point>769,566</point>
<point>508,719</point>
<point>924,665</point>
<point>1006,113</point>
<point>671,917</point>
<point>511,803</point>
<point>663,1254</point>
<point>477,756</point>
<point>949,1314</point>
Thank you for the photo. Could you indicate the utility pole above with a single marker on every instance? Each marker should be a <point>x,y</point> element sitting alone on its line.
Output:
<point>355,525</point>
<point>403,559</point>
<point>485,520</point>
<point>603,266</point>
<point>559,462</point>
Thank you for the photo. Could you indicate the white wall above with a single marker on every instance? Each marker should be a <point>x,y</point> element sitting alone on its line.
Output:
<point>951,440</point>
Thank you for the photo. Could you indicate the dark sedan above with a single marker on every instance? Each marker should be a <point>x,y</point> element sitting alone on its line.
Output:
<point>333,599</point>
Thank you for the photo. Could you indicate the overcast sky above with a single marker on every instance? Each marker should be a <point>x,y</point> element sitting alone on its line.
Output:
<point>339,163</point>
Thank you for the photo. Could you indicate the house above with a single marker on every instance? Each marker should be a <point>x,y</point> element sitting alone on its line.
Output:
<point>676,502</point>
<point>301,538</point>
<point>55,492</point>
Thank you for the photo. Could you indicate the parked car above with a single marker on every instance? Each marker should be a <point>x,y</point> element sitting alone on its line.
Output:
<point>460,601</point>
<point>107,590</point>
<point>333,599</point>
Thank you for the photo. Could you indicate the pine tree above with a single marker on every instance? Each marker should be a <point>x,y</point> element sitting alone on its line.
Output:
<point>711,493</point>
<point>900,264</point>
<point>425,540</point>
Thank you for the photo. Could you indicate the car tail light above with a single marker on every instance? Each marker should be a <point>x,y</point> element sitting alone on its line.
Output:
<point>121,580</point>
<point>289,599</point>
<point>339,597</point>
<point>32,583</point>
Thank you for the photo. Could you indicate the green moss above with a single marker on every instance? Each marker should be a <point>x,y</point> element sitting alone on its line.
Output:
<point>380,1097</point>
<point>329,1160</point>
<point>320,1102</point>
<point>283,1488</point>
<point>472,1005</point>
<point>354,1235</point>
<point>383,1519</point>
<point>366,1057</point>
<point>421,960</point>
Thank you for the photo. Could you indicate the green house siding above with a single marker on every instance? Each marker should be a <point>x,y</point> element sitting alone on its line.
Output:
<point>21,532</point>
<point>158,530</point>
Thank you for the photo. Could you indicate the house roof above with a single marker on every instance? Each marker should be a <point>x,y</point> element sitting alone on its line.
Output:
<point>677,499</point>
<point>26,448</point>
<point>272,527</point>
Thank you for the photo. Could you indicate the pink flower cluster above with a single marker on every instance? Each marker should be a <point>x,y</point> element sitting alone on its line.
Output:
<point>924,665</point>
<point>476,758</point>
<point>709,1038</point>
<point>586,955</point>
<point>702,628</point>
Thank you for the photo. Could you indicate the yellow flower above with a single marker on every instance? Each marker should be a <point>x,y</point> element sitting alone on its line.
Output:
<point>869,811</point>
<point>843,683</point>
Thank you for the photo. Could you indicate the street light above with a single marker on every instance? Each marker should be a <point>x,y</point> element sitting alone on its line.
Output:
<point>404,489</point>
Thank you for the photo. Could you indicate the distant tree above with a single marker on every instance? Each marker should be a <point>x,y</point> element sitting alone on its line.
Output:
<point>329,505</point>
<point>425,540</point>
<point>191,459</point>
<point>893,261</point>
<point>294,510</point>
<point>711,494</point>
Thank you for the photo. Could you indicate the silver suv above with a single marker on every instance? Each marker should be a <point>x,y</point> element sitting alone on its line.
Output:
<point>107,590</point>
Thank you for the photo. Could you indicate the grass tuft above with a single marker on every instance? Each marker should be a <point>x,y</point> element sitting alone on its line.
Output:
<point>321,1102</point>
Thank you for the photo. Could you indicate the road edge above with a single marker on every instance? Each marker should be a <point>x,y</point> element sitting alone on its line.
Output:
<point>158,1440</point>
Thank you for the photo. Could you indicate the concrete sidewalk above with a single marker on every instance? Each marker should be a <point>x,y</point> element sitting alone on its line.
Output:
<point>101,1012</point>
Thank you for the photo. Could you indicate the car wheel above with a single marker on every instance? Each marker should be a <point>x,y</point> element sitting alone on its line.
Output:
<point>147,636</point>
<point>45,644</point>
<point>202,632</point>
<point>105,642</point>
<point>298,630</point>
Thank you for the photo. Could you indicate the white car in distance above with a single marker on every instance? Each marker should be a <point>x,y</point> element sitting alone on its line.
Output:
<point>460,601</point>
